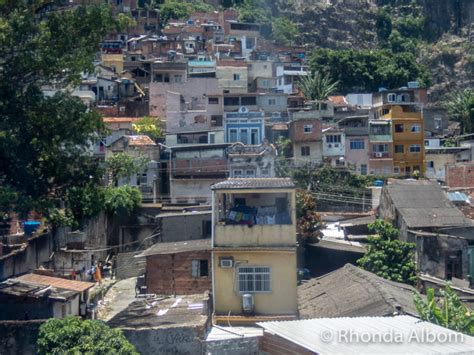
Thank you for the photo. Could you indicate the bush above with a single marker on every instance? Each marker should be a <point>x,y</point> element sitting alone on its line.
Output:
<point>75,336</point>
<point>122,199</point>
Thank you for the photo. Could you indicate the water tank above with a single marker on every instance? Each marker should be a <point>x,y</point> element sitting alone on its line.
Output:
<point>247,303</point>
<point>30,226</point>
<point>413,85</point>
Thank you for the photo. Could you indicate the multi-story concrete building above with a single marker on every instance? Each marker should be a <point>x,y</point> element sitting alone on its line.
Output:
<point>305,134</point>
<point>254,249</point>
<point>244,126</point>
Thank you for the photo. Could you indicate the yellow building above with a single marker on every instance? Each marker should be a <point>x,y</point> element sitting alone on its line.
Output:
<point>113,61</point>
<point>254,249</point>
<point>408,139</point>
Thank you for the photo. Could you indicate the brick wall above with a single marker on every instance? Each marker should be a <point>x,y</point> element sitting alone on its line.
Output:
<point>172,274</point>
<point>276,345</point>
<point>297,130</point>
<point>460,175</point>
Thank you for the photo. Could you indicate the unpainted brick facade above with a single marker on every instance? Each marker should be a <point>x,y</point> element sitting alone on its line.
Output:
<point>168,274</point>
<point>460,175</point>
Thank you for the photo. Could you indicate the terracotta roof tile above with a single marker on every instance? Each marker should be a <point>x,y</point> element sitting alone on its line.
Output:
<point>57,282</point>
<point>140,140</point>
<point>338,100</point>
<point>120,119</point>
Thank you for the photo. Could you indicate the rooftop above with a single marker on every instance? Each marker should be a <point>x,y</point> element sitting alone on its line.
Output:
<point>120,119</point>
<point>58,282</point>
<point>14,287</point>
<point>351,292</point>
<point>178,247</point>
<point>164,312</point>
<point>423,203</point>
<point>254,183</point>
<point>304,333</point>
<point>140,140</point>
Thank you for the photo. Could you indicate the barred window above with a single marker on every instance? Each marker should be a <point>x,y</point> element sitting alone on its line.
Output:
<point>254,279</point>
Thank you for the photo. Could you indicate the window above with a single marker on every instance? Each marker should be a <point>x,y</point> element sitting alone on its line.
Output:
<point>244,135</point>
<point>391,97</point>
<point>416,128</point>
<point>231,101</point>
<point>396,170</point>
<point>437,122</point>
<point>380,148</point>
<point>178,78</point>
<point>237,173</point>
<point>199,268</point>
<point>216,120</point>
<point>206,228</point>
<point>236,77</point>
<point>399,128</point>
<point>254,279</point>
<point>363,169</point>
<point>250,100</point>
<point>333,139</point>
<point>399,148</point>
<point>427,143</point>
<point>213,101</point>
<point>271,102</point>
<point>265,173</point>
<point>305,151</point>
<point>415,148</point>
<point>357,144</point>
<point>250,173</point>
<point>233,135</point>
<point>308,128</point>
<point>430,164</point>
<point>211,137</point>
<point>453,262</point>
<point>254,137</point>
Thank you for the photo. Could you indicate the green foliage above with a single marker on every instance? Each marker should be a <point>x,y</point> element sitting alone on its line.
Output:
<point>124,165</point>
<point>284,31</point>
<point>61,218</point>
<point>8,197</point>
<point>309,223</point>
<point>75,336</point>
<point>85,201</point>
<point>44,141</point>
<point>177,9</point>
<point>460,107</point>
<point>367,70</point>
<point>255,11</point>
<point>451,313</point>
<point>387,257</point>
<point>317,87</point>
<point>383,25</point>
<point>410,26</point>
<point>122,199</point>
<point>384,230</point>
<point>400,44</point>
<point>450,142</point>
<point>149,126</point>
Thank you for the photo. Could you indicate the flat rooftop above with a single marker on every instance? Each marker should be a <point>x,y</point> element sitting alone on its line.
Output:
<point>164,312</point>
<point>254,183</point>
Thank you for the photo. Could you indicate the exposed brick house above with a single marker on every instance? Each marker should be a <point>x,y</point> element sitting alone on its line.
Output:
<point>460,175</point>
<point>180,268</point>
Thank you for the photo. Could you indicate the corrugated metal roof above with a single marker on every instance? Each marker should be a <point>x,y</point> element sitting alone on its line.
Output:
<point>321,335</point>
<point>56,282</point>
<point>227,333</point>
<point>254,183</point>
<point>178,247</point>
<point>458,196</point>
<point>140,140</point>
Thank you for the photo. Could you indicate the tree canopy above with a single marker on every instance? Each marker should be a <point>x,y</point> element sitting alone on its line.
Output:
<point>460,107</point>
<point>45,141</point>
<point>317,87</point>
<point>72,335</point>
<point>388,257</point>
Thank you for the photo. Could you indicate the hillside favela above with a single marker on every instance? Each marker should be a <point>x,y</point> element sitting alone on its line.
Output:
<point>236,177</point>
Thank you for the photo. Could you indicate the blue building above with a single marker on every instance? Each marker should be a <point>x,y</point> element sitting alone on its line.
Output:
<point>244,126</point>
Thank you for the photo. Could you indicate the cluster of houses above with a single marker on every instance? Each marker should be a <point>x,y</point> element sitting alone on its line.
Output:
<point>214,243</point>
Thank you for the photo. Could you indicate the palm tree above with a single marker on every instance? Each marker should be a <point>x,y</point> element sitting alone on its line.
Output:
<point>317,87</point>
<point>460,106</point>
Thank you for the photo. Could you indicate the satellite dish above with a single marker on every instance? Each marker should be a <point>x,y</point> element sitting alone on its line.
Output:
<point>243,109</point>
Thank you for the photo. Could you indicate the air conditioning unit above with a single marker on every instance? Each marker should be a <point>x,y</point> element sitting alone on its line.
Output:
<point>226,263</point>
<point>378,155</point>
<point>247,303</point>
<point>329,145</point>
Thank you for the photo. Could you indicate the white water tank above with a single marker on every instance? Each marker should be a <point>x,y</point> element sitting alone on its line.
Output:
<point>247,303</point>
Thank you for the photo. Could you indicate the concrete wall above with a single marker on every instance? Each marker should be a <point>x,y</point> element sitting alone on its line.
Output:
<point>192,190</point>
<point>247,346</point>
<point>19,337</point>
<point>315,150</point>
<point>431,254</point>
<point>27,259</point>
<point>281,299</point>
<point>297,133</point>
<point>357,157</point>
<point>438,171</point>
<point>184,227</point>
<point>167,341</point>
<point>172,274</point>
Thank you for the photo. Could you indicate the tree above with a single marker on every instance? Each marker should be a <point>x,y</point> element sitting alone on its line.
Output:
<point>460,106</point>
<point>317,87</point>
<point>451,313</point>
<point>388,257</point>
<point>124,165</point>
<point>72,335</point>
<point>45,141</point>
<point>122,199</point>
<point>309,223</point>
<point>149,126</point>
<point>284,31</point>
<point>383,25</point>
<point>176,9</point>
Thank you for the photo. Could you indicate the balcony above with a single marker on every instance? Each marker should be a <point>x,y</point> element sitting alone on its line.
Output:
<point>240,235</point>
<point>199,167</point>
<point>381,155</point>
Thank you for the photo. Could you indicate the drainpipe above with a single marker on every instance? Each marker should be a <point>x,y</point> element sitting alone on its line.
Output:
<point>213,222</point>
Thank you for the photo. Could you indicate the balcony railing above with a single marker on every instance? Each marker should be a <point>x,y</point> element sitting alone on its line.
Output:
<point>381,155</point>
<point>380,137</point>
<point>240,235</point>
